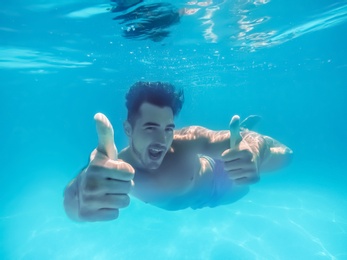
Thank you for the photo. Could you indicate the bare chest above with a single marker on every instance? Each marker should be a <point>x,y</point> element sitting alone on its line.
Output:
<point>174,178</point>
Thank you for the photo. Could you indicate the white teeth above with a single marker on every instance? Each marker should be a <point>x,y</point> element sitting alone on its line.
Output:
<point>155,153</point>
<point>156,150</point>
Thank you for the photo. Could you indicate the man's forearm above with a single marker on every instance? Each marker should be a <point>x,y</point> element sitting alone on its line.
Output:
<point>272,155</point>
<point>277,155</point>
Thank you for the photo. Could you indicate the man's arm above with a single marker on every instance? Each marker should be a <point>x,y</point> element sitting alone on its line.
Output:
<point>270,154</point>
<point>102,188</point>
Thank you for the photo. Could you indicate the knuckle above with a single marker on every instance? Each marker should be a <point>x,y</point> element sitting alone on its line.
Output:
<point>248,155</point>
<point>114,214</point>
<point>226,154</point>
<point>92,155</point>
<point>106,214</point>
<point>115,201</point>
<point>255,179</point>
<point>128,186</point>
<point>124,201</point>
<point>125,170</point>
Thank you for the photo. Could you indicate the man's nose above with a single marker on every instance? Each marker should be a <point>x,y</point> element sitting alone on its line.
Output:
<point>160,137</point>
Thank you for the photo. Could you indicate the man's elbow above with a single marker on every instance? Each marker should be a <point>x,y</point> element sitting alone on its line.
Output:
<point>280,157</point>
<point>288,156</point>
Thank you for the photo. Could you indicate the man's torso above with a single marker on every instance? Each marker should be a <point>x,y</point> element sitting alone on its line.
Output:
<point>179,182</point>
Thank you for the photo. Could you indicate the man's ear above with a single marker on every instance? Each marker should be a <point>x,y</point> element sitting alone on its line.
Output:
<point>127,128</point>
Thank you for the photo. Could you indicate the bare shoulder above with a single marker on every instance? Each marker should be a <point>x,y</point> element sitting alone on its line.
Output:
<point>191,133</point>
<point>187,138</point>
<point>187,131</point>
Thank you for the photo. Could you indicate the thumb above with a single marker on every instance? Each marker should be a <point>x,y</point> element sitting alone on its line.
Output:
<point>235,136</point>
<point>104,130</point>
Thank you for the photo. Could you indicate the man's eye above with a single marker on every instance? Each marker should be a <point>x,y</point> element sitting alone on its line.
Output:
<point>169,129</point>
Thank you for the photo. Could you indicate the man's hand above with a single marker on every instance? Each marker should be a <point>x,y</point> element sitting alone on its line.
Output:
<point>239,161</point>
<point>104,185</point>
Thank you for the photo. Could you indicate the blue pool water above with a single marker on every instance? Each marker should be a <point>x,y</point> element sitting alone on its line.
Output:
<point>63,61</point>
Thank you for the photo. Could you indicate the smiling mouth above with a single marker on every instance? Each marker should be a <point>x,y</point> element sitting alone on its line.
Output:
<point>155,153</point>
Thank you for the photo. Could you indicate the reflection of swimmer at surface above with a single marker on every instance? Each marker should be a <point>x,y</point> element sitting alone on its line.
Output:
<point>150,21</point>
<point>122,5</point>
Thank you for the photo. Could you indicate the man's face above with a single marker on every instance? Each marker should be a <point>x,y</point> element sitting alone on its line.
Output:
<point>152,134</point>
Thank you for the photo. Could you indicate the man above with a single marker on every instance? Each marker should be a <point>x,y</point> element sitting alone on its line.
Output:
<point>172,169</point>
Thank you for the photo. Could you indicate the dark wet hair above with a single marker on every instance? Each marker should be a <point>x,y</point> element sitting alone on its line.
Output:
<point>156,93</point>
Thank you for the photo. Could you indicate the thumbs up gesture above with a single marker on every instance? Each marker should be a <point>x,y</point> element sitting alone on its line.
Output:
<point>104,185</point>
<point>240,162</point>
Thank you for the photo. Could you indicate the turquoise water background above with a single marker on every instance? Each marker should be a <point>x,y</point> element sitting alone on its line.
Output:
<point>63,61</point>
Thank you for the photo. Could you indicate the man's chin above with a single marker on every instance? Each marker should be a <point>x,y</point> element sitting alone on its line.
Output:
<point>153,165</point>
